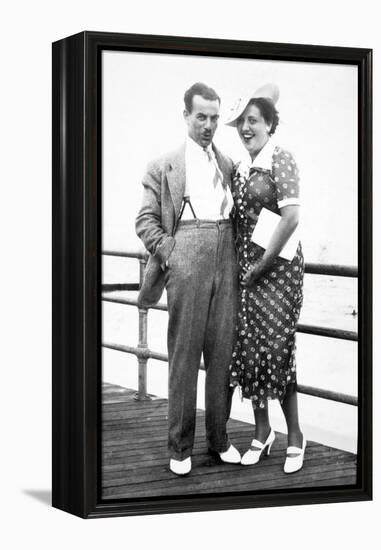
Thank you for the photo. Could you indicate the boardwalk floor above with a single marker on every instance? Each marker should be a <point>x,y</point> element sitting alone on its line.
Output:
<point>135,462</point>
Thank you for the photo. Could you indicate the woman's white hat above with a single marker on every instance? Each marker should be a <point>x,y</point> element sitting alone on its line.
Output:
<point>267,91</point>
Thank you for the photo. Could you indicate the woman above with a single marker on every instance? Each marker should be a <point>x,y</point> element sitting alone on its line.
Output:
<point>263,361</point>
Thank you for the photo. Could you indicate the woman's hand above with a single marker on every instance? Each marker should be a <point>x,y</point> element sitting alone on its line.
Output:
<point>251,274</point>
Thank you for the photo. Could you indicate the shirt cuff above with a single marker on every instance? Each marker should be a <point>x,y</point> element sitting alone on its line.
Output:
<point>289,201</point>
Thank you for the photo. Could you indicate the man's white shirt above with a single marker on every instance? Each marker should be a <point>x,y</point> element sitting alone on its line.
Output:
<point>206,198</point>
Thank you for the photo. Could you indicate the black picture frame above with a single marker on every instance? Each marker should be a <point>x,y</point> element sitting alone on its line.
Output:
<point>77,269</point>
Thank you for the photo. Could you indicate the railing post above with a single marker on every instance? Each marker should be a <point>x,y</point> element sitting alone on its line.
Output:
<point>141,394</point>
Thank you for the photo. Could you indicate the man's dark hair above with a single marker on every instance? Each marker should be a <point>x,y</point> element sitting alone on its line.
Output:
<point>268,111</point>
<point>199,89</point>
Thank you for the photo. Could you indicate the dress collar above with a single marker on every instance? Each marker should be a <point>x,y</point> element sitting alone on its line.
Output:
<point>263,160</point>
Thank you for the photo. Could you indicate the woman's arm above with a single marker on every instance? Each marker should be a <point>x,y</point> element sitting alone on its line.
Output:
<point>285,228</point>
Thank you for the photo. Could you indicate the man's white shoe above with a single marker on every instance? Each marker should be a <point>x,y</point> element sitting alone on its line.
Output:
<point>180,467</point>
<point>231,456</point>
<point>295,463</point>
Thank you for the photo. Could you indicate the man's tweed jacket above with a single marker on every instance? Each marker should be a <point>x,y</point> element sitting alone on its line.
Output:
<point>164,186</point>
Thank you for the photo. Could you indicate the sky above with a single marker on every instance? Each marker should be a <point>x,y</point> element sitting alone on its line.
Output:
<point>143,118</point>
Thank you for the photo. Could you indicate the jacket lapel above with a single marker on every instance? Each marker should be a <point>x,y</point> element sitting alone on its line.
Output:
<point>176,178</point>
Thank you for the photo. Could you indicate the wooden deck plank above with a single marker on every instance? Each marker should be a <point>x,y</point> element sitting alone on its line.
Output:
<point>135,461</point>
<point>218,482</point>
<point>123,454</point>
<point>270,467</point>
<point>240,475</point>
<point>129,462</point>
<point>221,486</point>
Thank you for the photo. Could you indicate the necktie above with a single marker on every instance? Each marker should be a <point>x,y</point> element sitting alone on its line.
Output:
<point>218,178</point>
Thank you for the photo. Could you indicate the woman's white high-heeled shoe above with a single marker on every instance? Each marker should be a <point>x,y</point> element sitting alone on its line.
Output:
<point>253,455</point>
<point>295,463</point>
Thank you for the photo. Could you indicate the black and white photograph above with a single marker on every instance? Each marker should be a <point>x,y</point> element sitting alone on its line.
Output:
<point>230,307</point>
<point>189,244</point>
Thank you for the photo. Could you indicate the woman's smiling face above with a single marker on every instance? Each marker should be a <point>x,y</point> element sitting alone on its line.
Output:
<point>253,129</point>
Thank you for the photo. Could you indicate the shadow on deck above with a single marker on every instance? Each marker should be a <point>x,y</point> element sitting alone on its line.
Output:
<point>135,461</point>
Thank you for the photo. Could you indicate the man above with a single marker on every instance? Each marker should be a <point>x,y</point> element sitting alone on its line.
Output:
<point>184,223</point>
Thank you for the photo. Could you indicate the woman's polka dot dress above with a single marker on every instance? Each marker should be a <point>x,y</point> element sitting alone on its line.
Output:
<point>263,361</point>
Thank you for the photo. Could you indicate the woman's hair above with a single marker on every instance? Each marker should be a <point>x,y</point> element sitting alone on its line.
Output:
<point>268,111</point>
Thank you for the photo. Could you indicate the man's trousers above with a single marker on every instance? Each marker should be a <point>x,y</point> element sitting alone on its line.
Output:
<point>202,292</point>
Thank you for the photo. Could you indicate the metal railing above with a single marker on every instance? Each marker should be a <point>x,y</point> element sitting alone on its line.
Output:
<point>143,353</point>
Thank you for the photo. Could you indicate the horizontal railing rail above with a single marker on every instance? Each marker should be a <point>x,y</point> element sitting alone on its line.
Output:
<point>143,353</point>
<point>335,270</point>
<point>139,255</point>
<point>109,287</point>
<point>306,329</point>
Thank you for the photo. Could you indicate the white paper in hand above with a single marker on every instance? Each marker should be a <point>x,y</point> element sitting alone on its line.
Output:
<point>263,231</point>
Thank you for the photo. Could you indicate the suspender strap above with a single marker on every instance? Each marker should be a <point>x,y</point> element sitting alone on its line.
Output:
<point>186,200</point>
